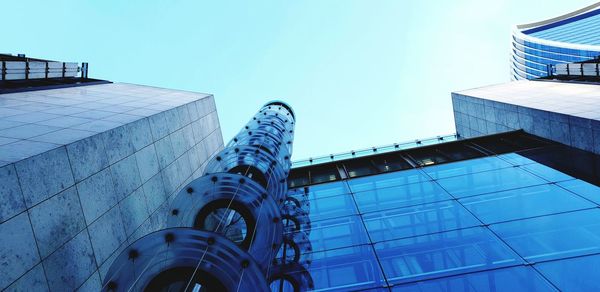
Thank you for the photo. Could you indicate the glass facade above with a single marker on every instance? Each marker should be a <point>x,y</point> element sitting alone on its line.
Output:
<point>500,220</point>
<point>568,39</point>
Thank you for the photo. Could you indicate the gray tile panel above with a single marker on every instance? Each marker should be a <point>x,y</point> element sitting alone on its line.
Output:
<point>97,195</point>
<point>12,201</point>
<point>33,280</point>
<point>126,176</point>
<point>64,136</point>
<point>94,114</point>
<point>147,162</point>
<point>164,151</point>
<point>154,190</point>
<point>87,156</point>
<point>134,210</point>
<point>8,112</point>
<point>71,265</point>
<point>16,258</point>
<point>32,117</point>
<point>158,126</point>
<point>178,142</point>
<point>44,175</point>
<point>107,234</point>
<point>122,118</point>
<point>64,121</point>
<point>6,124</point>
<point>57,220</point>
<point>97,126</point>
<point>27,131</point>
<point>141,136</point>
<point>23,149</point>
<point>118,143</point>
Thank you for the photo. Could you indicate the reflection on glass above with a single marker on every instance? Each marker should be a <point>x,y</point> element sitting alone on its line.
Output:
<point>400,196</point>
<point>584,189</point>
<point>553,236</point>
<point>489,181</point>
<point>419,220</point>
<point>337,233</point>
<point>575,274</point>
<point>387,180</point>
<point>466,167</point>
<point>515,159</point>
<point>508,279</point>
<point>345,269</point>
<point>447,253</point>
<point>429,227</point>
<point>523,203</point>
<point>331,207</point>
<point>281,285</point>
<point>322,190</point>
<point>547,173</point>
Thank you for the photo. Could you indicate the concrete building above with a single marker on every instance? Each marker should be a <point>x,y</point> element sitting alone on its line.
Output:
<point>87,167</point>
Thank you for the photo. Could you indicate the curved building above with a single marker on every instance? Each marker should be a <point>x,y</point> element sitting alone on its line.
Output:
<point>569,38</point>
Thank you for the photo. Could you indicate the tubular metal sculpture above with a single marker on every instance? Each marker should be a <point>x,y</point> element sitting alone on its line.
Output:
<point>226,229</point>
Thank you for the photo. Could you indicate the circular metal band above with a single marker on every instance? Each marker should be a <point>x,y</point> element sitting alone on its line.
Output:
<point>224,190</point>
<point>299,217</point>
<point>243,156</point>
<point>280,105</point>
<point>272,146</point>
<point>301,202</point>
<point>172,248</point>
<point>300,243</point>
<point>294,273</point>
<point>280,119</point>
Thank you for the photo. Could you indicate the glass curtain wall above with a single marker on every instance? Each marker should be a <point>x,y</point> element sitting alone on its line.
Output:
<point>493,223</point>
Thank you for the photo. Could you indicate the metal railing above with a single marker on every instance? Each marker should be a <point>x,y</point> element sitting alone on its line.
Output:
<point>374,150</point>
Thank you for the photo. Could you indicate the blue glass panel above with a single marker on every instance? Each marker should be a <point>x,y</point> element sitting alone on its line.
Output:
<point>443,254</point>
<point>554,236</point>
<point>549,174</point>
<point>575,274</point>
<point>418,220</point>
<point>337,233</point>
<point>331,207</point>
<point>582,29</point>
<point>508,279</point>
<point>515,159</point>
<point>387,180</point>
<point>489,181</point>
<point>465,167</point>
<point>401,196</point>
<point>523,203</point>
<point>322,190</point>
<point>352,268</point>
<point>584,189</point>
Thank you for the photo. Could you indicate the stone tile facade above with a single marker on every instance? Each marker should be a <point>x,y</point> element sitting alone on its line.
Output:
<point>69,206</point>
<point>562,112</point>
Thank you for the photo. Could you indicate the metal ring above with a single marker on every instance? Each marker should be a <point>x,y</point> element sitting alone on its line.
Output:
<point>174,248</point>
<point>222,190</point>
<point>245,156</point>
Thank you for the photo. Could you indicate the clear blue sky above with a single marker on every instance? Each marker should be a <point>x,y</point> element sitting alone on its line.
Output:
<point>358,73</point>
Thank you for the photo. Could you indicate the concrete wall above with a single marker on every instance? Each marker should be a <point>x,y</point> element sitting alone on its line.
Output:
<point>66,213</point>
<point>477,116</point>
